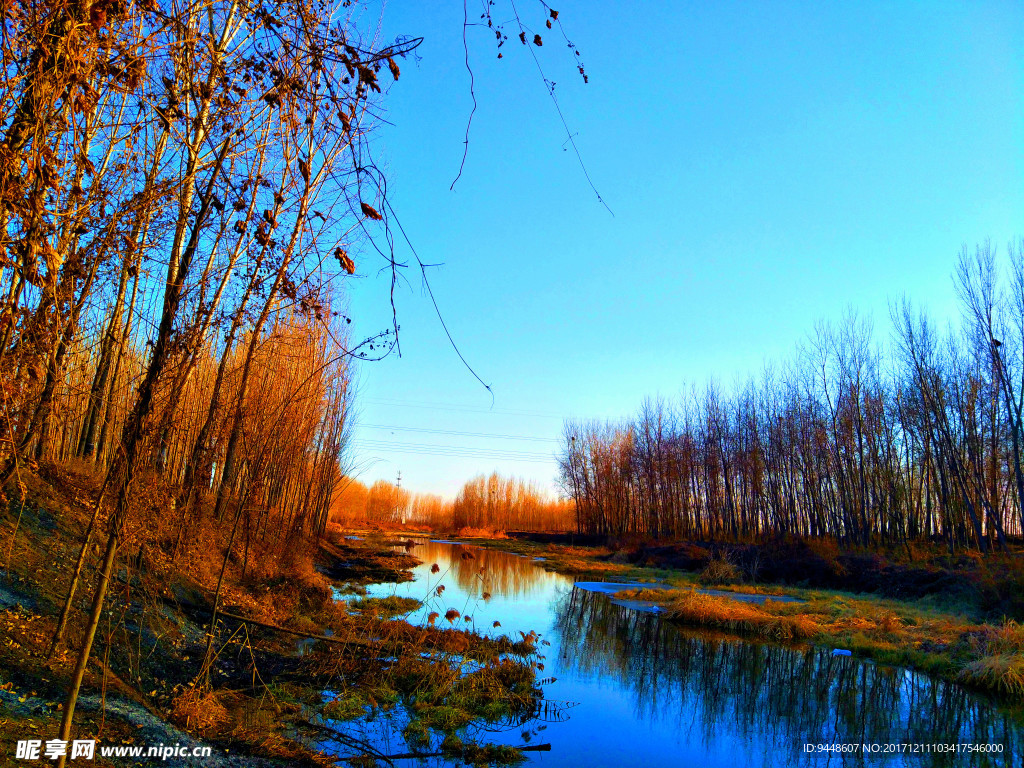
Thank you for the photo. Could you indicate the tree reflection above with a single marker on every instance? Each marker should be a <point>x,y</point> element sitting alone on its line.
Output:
<point>476,570</point>
<point>714,687</point>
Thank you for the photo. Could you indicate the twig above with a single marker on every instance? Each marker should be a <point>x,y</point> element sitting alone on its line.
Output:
<point>472,94</point>
<point>416,755</point>
<point>264,625</point>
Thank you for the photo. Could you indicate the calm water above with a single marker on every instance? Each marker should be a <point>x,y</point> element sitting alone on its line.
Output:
<point>633,690</point>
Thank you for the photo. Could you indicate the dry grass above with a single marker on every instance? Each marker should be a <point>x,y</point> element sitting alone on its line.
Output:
<point>1008,638</point>
<point>198,710</point>
<point>739,617</point>
<point>581,561</point>
<point>469,532</point>
<point>1003,673</point>
<point>385,607</point>
<point>987,657</point>
<point>720,571</point>
<point>748,589</point>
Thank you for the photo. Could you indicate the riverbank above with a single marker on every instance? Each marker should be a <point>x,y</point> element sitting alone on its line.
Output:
<point>629,688</point>
<point>934,633</point>
<point>256,700</point>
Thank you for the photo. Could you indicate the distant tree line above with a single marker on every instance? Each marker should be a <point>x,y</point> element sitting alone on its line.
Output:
<point>917,441</point>
<point>486,502</point>
<point>356,504</point>
<point>507,504</point>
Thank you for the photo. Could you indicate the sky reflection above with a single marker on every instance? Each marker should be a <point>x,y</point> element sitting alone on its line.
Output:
<point>633,690</point>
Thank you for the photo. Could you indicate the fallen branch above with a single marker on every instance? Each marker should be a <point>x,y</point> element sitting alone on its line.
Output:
<point>348,740</point>
<point>245,619</point>
<point>455,753</point>
<point>359,744</point>
<point>297,633</point>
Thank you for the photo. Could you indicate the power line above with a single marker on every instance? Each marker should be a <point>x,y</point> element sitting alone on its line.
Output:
<point>450,450</point>
<point>523,460</point>
<point>459,408</point>
<point>462,434</point>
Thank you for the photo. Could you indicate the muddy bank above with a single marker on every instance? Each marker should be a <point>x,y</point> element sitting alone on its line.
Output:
<point>255,701</point>
<point>139,687</point>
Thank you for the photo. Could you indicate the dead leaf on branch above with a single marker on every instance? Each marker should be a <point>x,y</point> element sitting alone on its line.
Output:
<point>370,212</point>
<point>345,260</point>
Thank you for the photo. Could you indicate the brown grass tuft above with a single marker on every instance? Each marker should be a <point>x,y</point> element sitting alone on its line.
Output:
<point>1003,674</point>
<point>469,532</point>
<point>720,571</point>
<point>198,710</point>
<point>1008,638</point>
<point>739,617</point>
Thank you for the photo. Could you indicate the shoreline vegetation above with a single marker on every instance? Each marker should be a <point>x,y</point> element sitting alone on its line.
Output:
<point>290,663</point>
<point>937,632</point>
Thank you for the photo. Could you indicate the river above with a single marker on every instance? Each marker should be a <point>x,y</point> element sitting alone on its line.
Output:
<point>632,690</point>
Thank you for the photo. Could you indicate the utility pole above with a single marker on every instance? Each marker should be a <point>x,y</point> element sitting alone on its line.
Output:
<point>398,498</point>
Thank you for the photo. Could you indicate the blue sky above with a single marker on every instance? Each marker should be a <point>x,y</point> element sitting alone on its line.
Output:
<point>768,165</point>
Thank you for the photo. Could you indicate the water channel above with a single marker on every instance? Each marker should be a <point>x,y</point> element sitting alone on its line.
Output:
<point>633,690</point>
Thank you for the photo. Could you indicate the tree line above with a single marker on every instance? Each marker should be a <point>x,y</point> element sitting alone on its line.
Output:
<point>871,445</point>
<point>486,502</point>
<point>180,184</point>
<point>179,188</point>
<point>498,503</point>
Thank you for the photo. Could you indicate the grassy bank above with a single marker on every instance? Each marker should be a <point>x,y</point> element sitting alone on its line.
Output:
<point>940,634</point>
<point>982,656</point>
<point>255,700</point>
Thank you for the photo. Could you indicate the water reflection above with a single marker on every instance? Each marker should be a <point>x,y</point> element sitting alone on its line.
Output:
<point>520,595</point>
<point>476,568</point>
<point>763,694</point>
<point>650,693</point>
